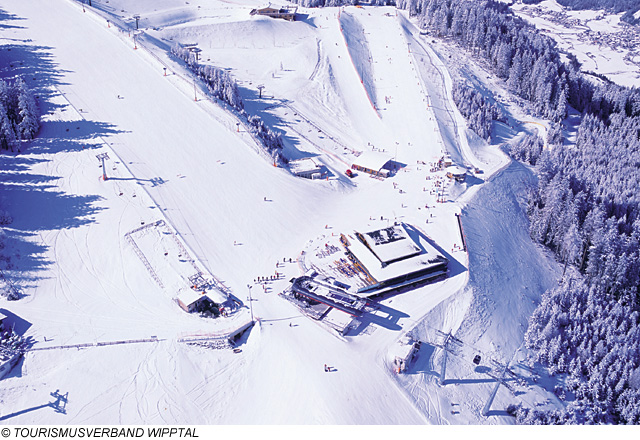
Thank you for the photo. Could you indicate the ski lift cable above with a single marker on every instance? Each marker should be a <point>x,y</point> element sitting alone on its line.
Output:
<point>476,349</point>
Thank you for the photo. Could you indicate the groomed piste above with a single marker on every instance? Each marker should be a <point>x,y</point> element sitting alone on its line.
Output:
<point>105,327</point>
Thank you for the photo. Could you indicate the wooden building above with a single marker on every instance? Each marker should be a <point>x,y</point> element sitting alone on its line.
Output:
<point>288,14</point>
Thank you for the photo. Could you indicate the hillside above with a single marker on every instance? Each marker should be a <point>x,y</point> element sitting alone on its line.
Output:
<point>179,161</point>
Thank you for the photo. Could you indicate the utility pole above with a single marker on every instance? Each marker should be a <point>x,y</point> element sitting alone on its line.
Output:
<point>448,339</point>
<point>250,304</point>
<point>444,358</point>
<point>101,157</point>
<point>260,87</point>
<point>195,92</point>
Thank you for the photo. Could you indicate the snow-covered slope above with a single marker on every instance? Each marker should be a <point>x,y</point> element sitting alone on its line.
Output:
<point>183,161</point>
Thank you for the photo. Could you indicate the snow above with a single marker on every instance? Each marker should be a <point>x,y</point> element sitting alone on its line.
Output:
<point>306,166</point>
<point>598,39</point>
<point>182,162</point>
<point>372,160</point>
<point>419,255</point>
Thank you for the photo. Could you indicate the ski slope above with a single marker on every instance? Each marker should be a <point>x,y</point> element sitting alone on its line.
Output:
<point>182,160</point>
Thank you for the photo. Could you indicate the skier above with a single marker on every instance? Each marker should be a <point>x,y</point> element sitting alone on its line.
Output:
<point>325,368</point>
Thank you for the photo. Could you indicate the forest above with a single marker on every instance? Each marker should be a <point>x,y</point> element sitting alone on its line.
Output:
<point>477,110</point>
<point>19,117</point>
<point>586,207</point>
<point>222,86</point>
<point>19,120</point>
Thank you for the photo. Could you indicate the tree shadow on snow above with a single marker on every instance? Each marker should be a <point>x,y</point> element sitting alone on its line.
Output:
<point>32,199</point>
<point>254,105</point>
<point>36,66</point>
<point>6,17</point>
<point>69,136</point>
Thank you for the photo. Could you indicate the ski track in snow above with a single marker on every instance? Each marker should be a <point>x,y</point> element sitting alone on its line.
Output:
<point>99,289</point>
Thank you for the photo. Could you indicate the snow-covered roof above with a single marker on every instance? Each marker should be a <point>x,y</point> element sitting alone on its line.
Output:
<point>189,296</point>
<point>217,296</point>
<point>372,160</point>
<point>456,170</point>
<point>427,257</point>
<point>402,349</point>
<point>304,166</point>
<point>390,244</point>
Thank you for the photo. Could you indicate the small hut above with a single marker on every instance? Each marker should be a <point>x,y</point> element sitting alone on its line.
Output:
<point>309,168</point>
<point>455,172</point>
<point>288,14</point>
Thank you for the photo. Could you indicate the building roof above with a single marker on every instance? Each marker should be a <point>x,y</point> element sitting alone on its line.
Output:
<point>390,244</point>
<point>456,170</point>
<point>426,258</point>
<point>402,349</point>
<point>372,160</point>
<point>306,165</point>
<point>189,296</point>
<point>320,290</point>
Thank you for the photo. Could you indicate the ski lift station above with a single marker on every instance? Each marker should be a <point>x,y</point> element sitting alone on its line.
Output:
<point>374,163</point>
<point>190,300</point>
<point>403,353</point>
<point>325,291</point>
<point>343,272</point>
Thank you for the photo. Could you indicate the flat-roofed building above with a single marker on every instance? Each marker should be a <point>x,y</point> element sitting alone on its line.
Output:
<point>309,168</point>
<point>372,162</point>
<point>392,259</point>
<point>456,172</point>
<point>190,300</point>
